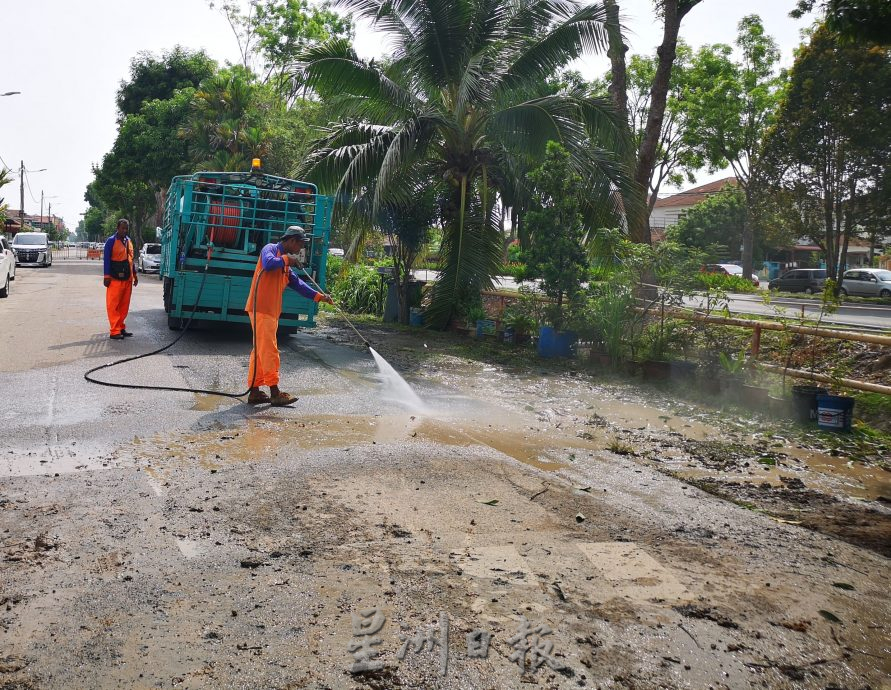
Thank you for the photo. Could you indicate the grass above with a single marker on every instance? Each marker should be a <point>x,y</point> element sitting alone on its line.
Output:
<point>852,299</point>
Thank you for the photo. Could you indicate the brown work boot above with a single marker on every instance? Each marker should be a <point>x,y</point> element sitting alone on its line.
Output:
<point>282,399</point>
<point>257,397</point>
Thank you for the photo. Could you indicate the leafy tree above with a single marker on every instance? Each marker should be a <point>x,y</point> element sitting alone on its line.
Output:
<point>675,161</point>
<point>647,154</point>
<point>408,230</point>
<point>829,146</point>
<point>557,229</point>
<point>714,225</point>
<point>153,78</point>
<point>729,106</point>
<point>276,31</point>
<point>227,124</point>
<point>461,103</point>
<point>866,21</point>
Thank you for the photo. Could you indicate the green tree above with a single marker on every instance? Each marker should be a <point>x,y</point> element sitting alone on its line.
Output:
<point>555,224</point>
<point>675,160</point>
<point>153,78</point>
<point>865,21</point>
<point>829,146</point>
<point>461,103</point>
<point>729,106</point>
<point>227,123</point>
<point>645,159</point>
<point>275,32</point>
<point>408,229</point>
<point>714,225</point>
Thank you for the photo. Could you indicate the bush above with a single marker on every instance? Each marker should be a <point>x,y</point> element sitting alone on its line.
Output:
<point>725,283</point>
<point>357,290</point>
<point>515,270</point>
<point>333,269</point>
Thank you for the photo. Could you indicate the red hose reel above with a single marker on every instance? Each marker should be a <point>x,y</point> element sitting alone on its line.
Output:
<point>224,222</point>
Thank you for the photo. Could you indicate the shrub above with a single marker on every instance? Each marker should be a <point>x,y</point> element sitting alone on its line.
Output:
<point>725,283</point>
<point>333,270</point>
<point>357,290</point>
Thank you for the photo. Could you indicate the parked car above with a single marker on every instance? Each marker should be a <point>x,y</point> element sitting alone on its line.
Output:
<point>32,249</point>
<point>7,266</point>
<point>149,258</point>
<point>867,282</point>
<point>730,270</point>
<point>809,280</point>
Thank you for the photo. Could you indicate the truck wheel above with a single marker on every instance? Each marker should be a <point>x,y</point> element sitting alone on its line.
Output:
<point>168,294</point>
<point>174,323</point>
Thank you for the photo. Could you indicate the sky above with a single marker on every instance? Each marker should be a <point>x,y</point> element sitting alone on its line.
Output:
<point>68,58</point>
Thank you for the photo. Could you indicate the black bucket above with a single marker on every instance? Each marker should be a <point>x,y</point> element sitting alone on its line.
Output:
<point>804,402</point>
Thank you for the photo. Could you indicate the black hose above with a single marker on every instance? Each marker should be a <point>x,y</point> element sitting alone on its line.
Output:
<point>177,389</point>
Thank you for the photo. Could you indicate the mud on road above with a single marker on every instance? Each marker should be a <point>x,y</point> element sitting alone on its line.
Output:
<point>207,545</point>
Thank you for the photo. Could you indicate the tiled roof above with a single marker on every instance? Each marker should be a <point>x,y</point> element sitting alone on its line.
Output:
<point>691,197</point>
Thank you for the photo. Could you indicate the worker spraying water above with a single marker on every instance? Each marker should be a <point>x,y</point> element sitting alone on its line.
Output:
<point>217,227</point>
<point>264,306</point>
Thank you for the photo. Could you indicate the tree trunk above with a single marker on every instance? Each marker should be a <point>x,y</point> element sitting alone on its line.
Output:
<point>639,218</point>
<point>748,236</point>
<point>618,89</point>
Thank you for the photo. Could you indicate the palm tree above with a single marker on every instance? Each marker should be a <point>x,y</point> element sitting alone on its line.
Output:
<point>463,104</point>
<point>225,126</point>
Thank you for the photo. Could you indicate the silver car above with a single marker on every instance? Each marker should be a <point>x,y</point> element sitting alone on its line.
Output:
<point>149,258</point>
<point>866,282</point>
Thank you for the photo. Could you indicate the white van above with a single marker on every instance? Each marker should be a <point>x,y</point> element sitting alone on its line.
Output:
<point>32,249</point>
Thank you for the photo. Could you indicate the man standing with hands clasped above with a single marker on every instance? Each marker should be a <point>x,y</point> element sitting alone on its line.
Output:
<point>119,279</point>
<point>264,307</point>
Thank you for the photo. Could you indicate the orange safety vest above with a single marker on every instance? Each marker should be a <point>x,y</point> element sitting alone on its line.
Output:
<point>268,287</point>
<point>123,252</point>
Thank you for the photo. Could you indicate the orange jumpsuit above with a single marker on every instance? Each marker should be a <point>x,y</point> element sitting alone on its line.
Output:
<point>117,295</point>
<point>264,307</point>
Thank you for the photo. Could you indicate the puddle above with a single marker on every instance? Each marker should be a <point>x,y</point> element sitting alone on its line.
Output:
<point>205,402</point>
<point>854,478</point>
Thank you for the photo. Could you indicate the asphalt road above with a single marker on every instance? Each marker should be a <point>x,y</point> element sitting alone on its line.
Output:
<point>855,316</point>
<point>865,316</point>
<point>154,540</point>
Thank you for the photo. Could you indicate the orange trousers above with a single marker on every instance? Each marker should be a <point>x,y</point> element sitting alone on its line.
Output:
<point>117,303</point>
<point>264,356</point>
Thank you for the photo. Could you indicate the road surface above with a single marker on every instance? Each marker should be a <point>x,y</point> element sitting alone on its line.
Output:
<point>179,540</point>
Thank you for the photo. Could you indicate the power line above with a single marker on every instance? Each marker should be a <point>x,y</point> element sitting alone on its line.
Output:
<point>28,182</point>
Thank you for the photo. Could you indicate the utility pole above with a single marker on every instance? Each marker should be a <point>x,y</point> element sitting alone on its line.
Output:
<point>50,215</point>
<point>22,197</point>
<point>41,205</point>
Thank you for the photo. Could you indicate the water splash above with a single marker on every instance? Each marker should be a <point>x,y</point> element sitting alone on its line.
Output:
<point>396,388</point>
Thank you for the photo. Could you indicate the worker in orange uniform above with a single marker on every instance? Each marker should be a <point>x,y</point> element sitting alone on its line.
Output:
<point>264,307</point>
<point>119,279</point>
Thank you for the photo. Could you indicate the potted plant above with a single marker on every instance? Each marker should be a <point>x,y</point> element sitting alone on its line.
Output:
<point>519,324</point>
<point>556,255</point>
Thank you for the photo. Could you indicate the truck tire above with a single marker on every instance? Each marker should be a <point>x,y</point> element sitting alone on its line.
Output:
<point>168,294</point>
<point>174,323</point>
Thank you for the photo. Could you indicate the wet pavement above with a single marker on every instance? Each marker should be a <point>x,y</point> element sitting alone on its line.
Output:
<point>179,540</point>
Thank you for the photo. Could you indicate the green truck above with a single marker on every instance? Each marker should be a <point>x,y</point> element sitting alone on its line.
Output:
<point>216,223</point>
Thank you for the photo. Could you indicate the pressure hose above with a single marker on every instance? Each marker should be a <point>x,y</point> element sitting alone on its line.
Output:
<point>88,375</point>
<point>180,389</point>
<point>342,313</point>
